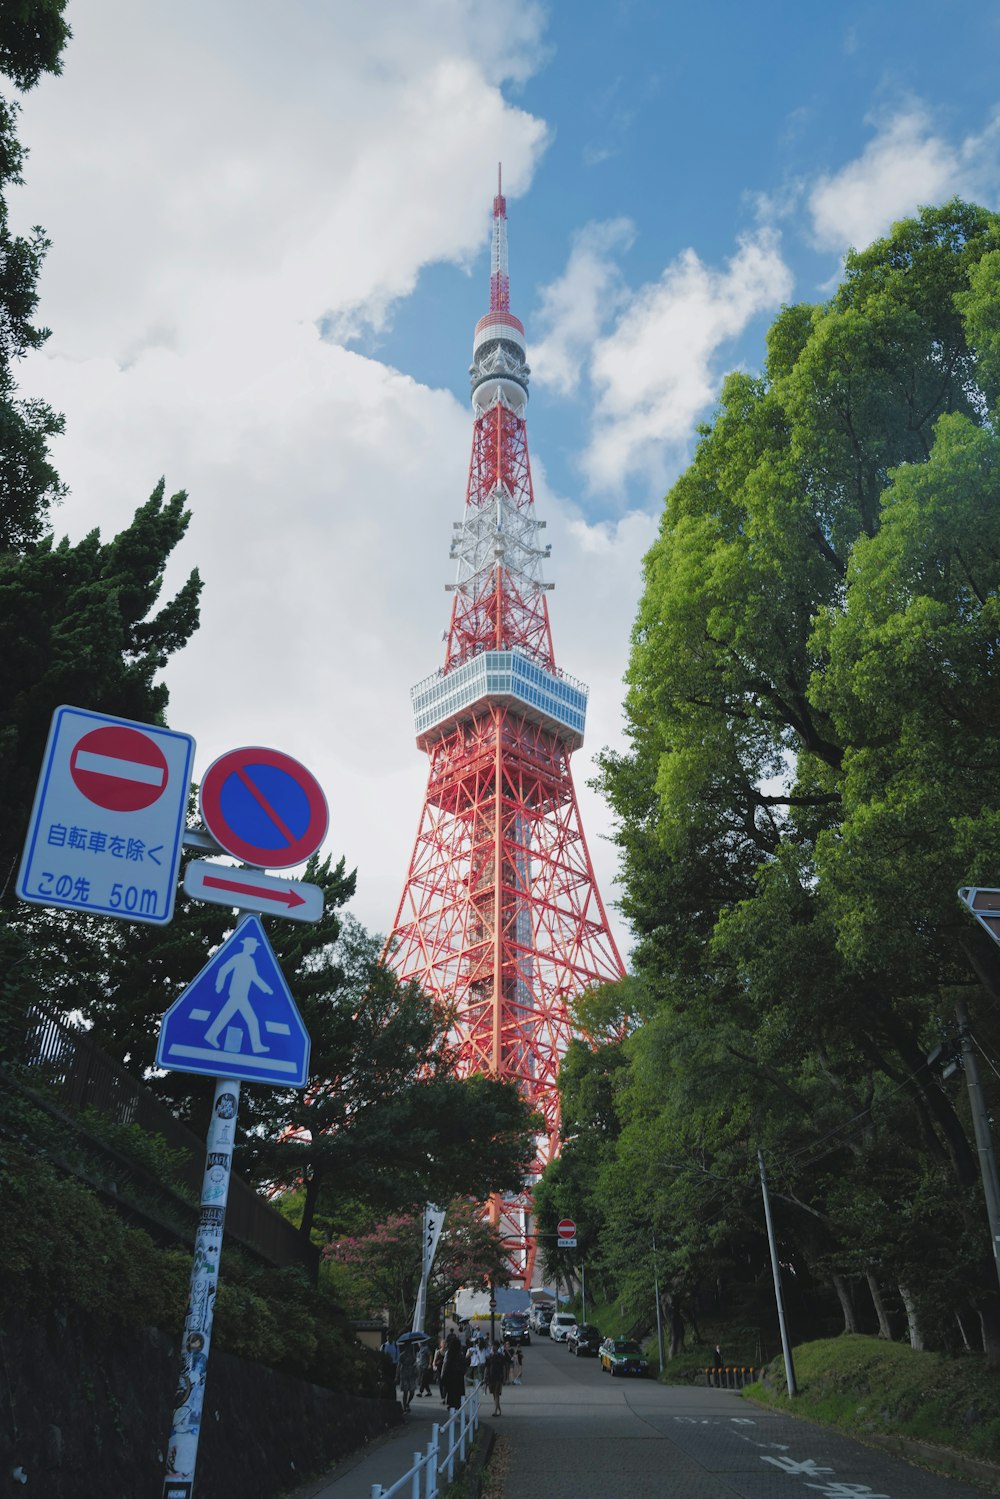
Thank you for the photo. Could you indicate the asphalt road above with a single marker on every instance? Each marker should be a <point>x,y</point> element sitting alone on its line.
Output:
<point>573,1432</point>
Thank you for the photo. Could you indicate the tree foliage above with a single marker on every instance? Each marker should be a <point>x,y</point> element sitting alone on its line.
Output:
<point>382,1266</point>
<point>813,711</point>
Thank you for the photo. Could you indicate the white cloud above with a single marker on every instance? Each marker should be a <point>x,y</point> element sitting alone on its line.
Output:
<point>904,167</point>
<point>658,370</point>
<point>252,167</point>
<point>576,308</point>
<point>597,568</point>
<point>217,180</point>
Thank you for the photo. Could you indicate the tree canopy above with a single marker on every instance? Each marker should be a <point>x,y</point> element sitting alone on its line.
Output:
<point>813,717</point>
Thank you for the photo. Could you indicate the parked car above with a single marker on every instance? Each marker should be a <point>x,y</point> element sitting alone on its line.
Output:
<point>584,1338</point>
<point>560,1325</point>
<point>539,1320</point>
<point>514,1328</point>
<point>622,1356</point>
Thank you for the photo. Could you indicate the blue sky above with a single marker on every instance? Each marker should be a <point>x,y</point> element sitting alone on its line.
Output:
<point>270,238</point>
<point>698,126</point>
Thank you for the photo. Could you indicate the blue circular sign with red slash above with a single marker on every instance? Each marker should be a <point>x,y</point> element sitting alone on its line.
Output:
<point>263,807</point>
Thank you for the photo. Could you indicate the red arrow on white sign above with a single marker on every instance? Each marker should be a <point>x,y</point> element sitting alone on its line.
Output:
<point>249,890</point>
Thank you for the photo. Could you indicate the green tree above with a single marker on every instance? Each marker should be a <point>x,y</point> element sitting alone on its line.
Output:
<point>385,1121</point>
<point>382,1266</point>
<point>813,715</point>
<point>32,36</point>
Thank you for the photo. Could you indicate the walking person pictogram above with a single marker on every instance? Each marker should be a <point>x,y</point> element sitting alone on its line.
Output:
<point>243,976</point>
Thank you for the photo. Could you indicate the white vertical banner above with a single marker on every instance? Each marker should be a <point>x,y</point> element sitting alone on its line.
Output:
<point>432,1225</point>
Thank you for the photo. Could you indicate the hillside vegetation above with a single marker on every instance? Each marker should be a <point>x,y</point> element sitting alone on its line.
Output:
<point>871,1388</point>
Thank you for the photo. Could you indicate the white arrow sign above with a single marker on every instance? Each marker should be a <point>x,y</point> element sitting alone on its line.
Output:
<point>251,890</point>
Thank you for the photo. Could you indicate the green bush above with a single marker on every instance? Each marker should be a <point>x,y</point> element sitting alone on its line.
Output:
<point>865,1385</point>
<point>60,1245</point>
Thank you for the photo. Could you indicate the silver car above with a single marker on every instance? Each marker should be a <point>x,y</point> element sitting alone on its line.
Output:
<point>560,1326</point>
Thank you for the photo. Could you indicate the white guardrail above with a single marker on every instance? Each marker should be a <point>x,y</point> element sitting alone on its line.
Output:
<point>448,1443</point>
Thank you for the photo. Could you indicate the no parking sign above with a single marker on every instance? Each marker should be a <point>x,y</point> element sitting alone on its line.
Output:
<point>263,807</point>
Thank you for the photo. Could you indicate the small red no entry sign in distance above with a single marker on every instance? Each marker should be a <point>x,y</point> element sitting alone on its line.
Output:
<point>263,807</point>
<point>119,768</point>
<point>566,1228</point>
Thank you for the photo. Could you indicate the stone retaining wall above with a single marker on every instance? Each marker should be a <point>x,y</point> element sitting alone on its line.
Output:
<point>87,1420</point>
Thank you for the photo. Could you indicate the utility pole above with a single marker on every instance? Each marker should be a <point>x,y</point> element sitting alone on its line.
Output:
<point>659,1313</point>
<point>786,1347</point>
<point>981,1125</point>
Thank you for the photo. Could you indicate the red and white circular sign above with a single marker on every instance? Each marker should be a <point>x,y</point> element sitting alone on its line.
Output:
<point>566,1228</point>
<point>119,768</point>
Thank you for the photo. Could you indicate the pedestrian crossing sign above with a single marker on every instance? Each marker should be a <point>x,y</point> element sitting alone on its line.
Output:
<point>238,1018</point>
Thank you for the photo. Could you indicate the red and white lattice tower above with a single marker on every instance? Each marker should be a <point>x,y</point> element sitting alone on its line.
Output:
<point>500,916</point>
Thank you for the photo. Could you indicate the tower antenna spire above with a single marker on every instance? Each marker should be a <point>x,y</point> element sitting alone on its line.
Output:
<point>499,277</point>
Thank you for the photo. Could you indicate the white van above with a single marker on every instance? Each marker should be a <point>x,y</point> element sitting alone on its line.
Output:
<point>560,1326</point>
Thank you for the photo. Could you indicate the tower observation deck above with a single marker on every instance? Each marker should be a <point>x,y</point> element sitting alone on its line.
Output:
<point>500,915</point>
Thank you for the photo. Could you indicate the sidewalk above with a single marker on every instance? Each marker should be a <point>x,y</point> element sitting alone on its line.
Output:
<point>385,1459</point>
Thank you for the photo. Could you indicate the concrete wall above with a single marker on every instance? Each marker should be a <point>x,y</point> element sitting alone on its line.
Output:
<point>87,1420</point>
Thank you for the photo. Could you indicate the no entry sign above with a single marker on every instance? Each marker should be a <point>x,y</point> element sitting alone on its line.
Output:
<point>566,1228</point>
<point>263,807</point>
<point>108,820</point>
<point>119,767</point>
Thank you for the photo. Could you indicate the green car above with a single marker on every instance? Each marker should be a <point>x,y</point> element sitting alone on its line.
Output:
<point>622,1356</point>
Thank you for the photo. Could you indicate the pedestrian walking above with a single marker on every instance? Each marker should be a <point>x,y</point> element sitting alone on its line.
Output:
<point>518,1365</point>
<point>719,1366</point>
<point>406,1374</point>
<point>425,1369</point>
<point>496,1370</point>
<point>439,1369</point>
<point>453,1373</point>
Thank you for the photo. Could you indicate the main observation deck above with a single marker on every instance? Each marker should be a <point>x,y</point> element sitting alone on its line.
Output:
<point>555,701</point>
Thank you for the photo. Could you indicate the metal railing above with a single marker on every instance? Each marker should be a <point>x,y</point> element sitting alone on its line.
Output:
<point>77,1075</point>
<point>732,1376</point>
<point>449,1444</point>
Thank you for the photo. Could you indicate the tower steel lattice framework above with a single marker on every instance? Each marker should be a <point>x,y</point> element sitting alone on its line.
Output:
<point>500,915</point>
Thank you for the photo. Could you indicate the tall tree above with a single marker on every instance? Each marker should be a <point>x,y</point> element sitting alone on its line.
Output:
<point>813,711</point>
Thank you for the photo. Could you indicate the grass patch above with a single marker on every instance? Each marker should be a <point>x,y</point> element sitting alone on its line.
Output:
<point>868,1387</point>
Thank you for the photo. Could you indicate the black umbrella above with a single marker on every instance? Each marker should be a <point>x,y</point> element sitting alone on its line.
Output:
<point>413,1337</point>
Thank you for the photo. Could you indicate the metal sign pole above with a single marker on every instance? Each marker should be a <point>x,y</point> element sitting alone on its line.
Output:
<point>185,1424</point>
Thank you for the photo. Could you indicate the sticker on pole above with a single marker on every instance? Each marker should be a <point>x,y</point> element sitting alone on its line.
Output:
<point>108,820</point>
<point>238,1018</point>
<point>263,807</point>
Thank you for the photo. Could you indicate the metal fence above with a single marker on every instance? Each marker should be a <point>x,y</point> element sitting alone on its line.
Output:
<point>78,1075</point>
<point>732,1376</point>
<point>449,1445</point>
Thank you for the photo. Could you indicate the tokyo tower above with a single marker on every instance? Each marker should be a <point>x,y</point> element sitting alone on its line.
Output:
<point>500,917</point>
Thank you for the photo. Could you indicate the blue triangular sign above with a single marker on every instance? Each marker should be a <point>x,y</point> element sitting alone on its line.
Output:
<point>238,1018</point>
